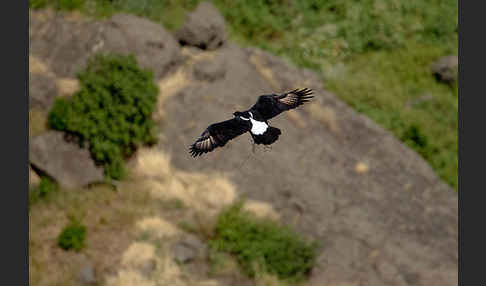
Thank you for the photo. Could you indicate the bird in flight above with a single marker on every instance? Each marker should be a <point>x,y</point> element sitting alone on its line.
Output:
<point>253,120</point>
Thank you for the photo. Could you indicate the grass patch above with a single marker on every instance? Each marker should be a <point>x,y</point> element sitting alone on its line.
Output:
<point>397,90</point>
<point>72,236</point>
<point>108,216</point>
<point>222,263</point>
<point>37,122</point>
<point>41,192</point>
<point>111,111</point>
<point>262,245</point>
<point>187,226</point>
<point>169,13</point>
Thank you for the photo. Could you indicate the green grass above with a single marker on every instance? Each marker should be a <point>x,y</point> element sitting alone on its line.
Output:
<point>374,54</point>
<point>170,13</point>
<point>396,89</point>
<point>72,236</point>
<point>262,245</point>
<point>111,111</point>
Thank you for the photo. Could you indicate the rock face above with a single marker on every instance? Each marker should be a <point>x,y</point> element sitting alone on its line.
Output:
<point>69,165</point>
<point>153,46</point>
<point>66,45</point>
<point>188,249</point>
<point>42,90</point>
<point>203,28</point>
<point>87,273</point>
<point>210,70</point>
<point>445,69</point>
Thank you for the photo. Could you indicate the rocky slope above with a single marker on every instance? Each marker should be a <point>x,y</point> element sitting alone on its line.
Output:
<point>381,214</point>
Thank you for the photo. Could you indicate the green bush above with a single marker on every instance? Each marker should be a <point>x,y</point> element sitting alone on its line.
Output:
<point>72,236</point>
<point>262,245</point>
<point>111,111</point>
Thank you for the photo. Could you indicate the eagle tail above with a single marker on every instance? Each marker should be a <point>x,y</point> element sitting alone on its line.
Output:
<point>269,137</point>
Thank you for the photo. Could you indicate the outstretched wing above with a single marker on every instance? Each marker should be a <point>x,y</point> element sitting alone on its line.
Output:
<point>217,135</point>
<point>272,105</point>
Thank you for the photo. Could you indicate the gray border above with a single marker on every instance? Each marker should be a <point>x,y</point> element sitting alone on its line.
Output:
<point>15,136</point>
<point>461,147</point>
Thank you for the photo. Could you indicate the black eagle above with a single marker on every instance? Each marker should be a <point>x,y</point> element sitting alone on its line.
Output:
<point>254,120</point>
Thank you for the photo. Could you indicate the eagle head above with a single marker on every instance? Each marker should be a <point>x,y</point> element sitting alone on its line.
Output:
<point>244,115</point>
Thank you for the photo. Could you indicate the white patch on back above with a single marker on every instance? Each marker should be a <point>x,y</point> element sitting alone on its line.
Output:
<point>258,127</point>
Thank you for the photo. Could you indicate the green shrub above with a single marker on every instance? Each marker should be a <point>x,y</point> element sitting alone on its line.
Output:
<point>414,137</point>
<point>72,236</point>
<point>111,111</point>
<point>42,191</point>
<point>262,245</point>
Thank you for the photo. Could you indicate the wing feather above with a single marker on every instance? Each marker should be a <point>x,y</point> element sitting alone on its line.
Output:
<point>270,106</point>
<point>217,135</point>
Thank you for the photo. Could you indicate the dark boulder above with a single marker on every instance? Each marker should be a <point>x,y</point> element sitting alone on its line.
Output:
<point>42,91</point>
<point>446,68</point>
<point>203,28</point>
<point>66,45</point>
<point>65,162</point>
<point>63,44</point>
<point>153,46</point>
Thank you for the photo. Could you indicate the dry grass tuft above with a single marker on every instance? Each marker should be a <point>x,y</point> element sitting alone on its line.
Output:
<point>264,71</point>
<point>182,77</point>
<point>67,86</point>
<point>152,164</point>
<point>129,278</point>
<point>261,209</point>
<point>34,179</point>
<point>196,55</point>
<point>296,118</point>
<point>137,255</point>
<point>37,122</point>
<point>169,86</point>
<point>201,192</point>
<point>325,115</point>
<point>37,66</point>
<point>165,273</point>
<point>157,227</point>
<point>265,279</point>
